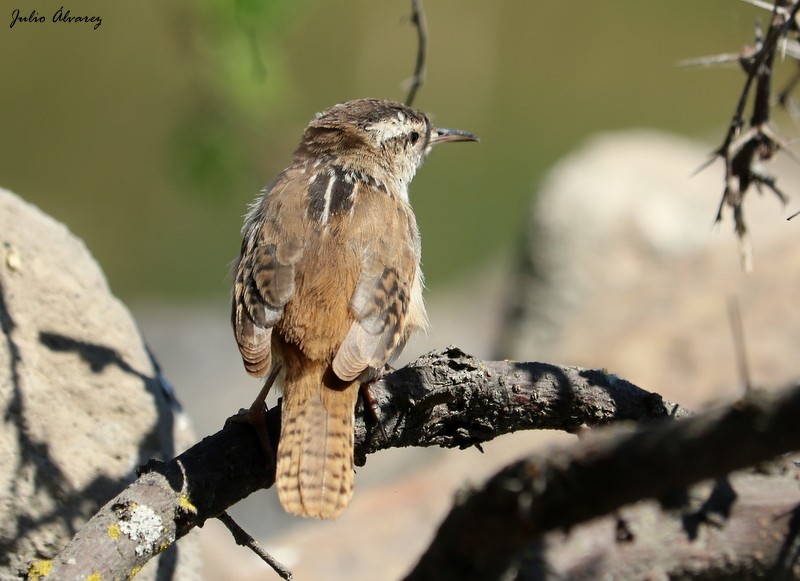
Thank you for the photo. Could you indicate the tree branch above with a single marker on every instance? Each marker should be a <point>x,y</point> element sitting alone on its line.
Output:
<point>601,474</point>
<point>450,399</point>
<point>445,398</point>
<point>742,149</point>
<point>744,527</point>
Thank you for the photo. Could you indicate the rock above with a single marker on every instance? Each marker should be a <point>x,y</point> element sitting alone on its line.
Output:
<point>625,270</point>
<point>83,401</point>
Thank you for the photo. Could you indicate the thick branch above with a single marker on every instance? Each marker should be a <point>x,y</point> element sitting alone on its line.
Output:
<point>744,527</point>
<point>601,474</point>
<point>445,398</point>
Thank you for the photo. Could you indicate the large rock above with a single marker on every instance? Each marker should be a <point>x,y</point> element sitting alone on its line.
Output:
<point>626,270</point>
<point>82,399</point>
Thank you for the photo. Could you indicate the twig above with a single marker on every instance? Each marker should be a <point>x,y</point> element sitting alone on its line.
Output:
<point>760,4</point>
<point>243,539</point>
<point>737,330</point>
<point>418,19</point>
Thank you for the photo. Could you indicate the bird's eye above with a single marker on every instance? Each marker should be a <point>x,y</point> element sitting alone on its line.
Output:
<point>414,137</point>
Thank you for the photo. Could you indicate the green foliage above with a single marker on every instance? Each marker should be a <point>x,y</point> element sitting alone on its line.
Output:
<point>241,79</point>
<point>149,136</point>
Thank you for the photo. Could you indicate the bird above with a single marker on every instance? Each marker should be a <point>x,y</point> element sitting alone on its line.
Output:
<point>327,287</point>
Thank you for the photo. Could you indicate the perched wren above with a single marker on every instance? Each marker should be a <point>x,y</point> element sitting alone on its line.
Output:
<point>328,287</point>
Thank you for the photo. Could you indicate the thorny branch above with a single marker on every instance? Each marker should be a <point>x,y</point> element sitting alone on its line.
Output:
<point>418,19</point>
<point>747,143</point>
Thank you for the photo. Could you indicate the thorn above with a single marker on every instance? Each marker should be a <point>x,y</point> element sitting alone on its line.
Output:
<point>735,315</point>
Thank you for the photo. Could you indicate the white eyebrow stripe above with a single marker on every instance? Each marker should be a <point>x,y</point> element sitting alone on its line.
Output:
<point>386,129</point>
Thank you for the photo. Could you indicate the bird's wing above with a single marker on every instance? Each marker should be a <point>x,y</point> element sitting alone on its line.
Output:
<point>380,302</point>
<point>264,276</point>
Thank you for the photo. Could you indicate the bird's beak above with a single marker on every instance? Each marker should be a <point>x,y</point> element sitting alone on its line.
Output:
<point>440,135</point>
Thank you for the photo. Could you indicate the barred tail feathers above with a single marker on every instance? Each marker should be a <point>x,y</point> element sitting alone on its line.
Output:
<point>315,453</point>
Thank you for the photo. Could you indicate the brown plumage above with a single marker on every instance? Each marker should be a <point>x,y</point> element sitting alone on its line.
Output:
<point>328,285</point>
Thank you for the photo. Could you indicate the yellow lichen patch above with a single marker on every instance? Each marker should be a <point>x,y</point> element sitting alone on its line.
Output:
<point>187,505</point>
<point>134,571</point>
<point>40,569</point>
<point>94,577</point>
<point>113,531</point>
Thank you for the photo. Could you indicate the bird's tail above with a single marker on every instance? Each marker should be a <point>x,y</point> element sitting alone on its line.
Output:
<point>315,453</point>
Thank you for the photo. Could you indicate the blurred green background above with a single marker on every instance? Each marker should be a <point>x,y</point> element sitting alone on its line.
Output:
<point>149,135</point>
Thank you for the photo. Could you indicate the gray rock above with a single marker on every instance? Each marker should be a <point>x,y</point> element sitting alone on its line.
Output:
<point>626,270</point>
<point>604,213</point>
<point>83,400</point>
